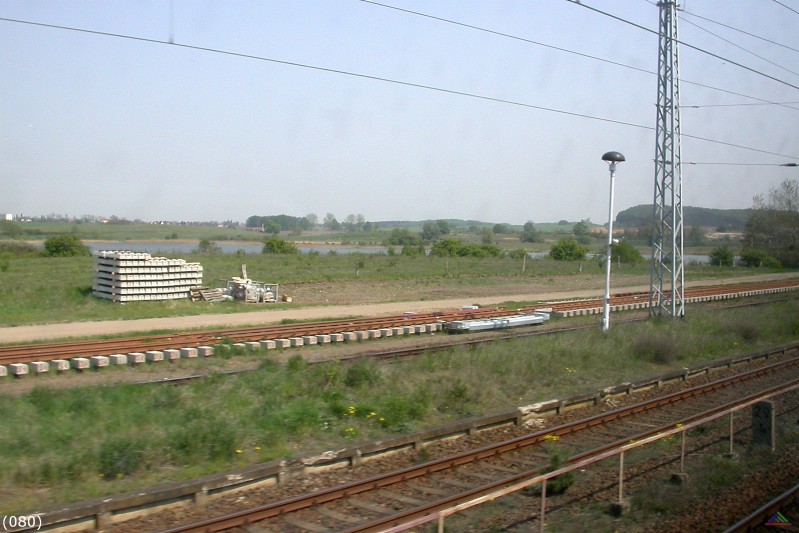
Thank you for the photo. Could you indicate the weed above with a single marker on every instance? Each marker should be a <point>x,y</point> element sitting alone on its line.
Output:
<point>207,438</point>
<point>559,484</point>
<point>120,456</point>
<point>362,373</point>
<point>655,347</point>
<point>296,364</point>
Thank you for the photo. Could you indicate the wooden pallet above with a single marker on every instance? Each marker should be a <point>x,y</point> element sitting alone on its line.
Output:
<point>206,294</point>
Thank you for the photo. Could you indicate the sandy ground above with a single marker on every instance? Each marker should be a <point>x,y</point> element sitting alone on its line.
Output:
<point>325,308</point>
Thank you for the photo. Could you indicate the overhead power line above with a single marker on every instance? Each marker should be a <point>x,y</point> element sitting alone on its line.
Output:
<point>380,79</point>
<point>786,7</point>
<point>688,13</point>
<point>566,50</point>
<point>717,36</point>
<point>687,45</point>
<point>743,164</point>
<point>736,105</point>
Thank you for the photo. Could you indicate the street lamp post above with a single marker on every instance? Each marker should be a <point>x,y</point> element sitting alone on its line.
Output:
<point>612,158</point>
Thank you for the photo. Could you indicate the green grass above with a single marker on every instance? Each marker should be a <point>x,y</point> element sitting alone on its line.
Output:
<point>67,445</point>
<point>56,289</point>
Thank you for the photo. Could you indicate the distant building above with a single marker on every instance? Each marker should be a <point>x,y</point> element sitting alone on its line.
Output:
<point>6,216</point>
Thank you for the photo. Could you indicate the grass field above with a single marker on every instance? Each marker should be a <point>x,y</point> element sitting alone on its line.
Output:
<point>67,445</point>
<point>56,289</point>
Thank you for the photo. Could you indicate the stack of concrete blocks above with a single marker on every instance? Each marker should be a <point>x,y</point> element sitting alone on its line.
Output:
<point>134,276</point>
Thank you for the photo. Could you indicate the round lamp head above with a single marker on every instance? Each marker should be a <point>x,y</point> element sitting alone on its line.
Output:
<point>613,157</point>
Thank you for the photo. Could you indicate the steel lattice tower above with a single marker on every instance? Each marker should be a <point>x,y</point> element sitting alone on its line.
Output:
<point>666,295</point>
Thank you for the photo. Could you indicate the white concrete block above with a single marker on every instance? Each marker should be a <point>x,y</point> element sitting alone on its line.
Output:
<point>188,352</point>
<point>409,330</point>
<point>118,359</point>
<point>350,336</point>
<point>373,334</point>
<point>60,365</point>
<point>295,341</point>
<point>268,344</point>
<point>205,351</point>
<point>322,339</point>
<point>420,328</point>
<point>18,369</point>
<point>80,363</point>
<point>99,361</point>
<point>37,367</point>
<point>282,343</point>
<point>171,355</point>
<point>398,331</point>
<point>386,332</point>
<point>239,345</point>
<point>3,371</point>
<point>252,346</point>
<point>309,340</point>
<point>154,356</point>
<point>336,337</point>
<point>136,358</point>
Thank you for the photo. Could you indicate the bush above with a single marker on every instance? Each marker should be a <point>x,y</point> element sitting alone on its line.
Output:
<point>626,253</point>
<point>276,245</point>
<point>568,249</point>
<point>722,256</point>
<point>457,248</point>
<point>65,246</point>
<point>751,257</point>
<point>207,246</point>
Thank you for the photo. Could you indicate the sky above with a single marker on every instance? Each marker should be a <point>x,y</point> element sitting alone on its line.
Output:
<point>199,110</point>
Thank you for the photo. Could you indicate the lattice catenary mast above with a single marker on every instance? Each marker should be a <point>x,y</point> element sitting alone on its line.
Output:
<point>666,295</point>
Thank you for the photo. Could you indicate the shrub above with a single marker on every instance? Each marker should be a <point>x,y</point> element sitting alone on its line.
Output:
<point>456,248</point>
<point>568,249</point>
<point>751,257</point>
<point>721,256</point>
<point>207,246</point>
<point>276,245</point>
<point>519,253</point>
<point>65,246</point>
<point>626,253</point>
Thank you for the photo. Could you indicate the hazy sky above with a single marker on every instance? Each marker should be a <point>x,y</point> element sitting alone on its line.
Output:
<point>139,128</point>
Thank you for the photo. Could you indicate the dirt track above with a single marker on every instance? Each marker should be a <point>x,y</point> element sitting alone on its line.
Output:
<point>425,301</point>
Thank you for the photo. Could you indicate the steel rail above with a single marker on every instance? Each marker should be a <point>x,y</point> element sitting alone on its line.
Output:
<point>399,519</point>
<point>50,351</point>
<point>64,350</point>
<point>307,501</point>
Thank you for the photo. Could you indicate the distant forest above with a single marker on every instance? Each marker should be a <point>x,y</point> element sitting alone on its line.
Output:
<point>728,219</point>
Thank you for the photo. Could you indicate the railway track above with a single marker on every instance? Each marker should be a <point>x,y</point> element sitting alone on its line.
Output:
<point>25,354</point>
<point>691,295</point>
<point>66,350</point>
<point>411,494</point>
